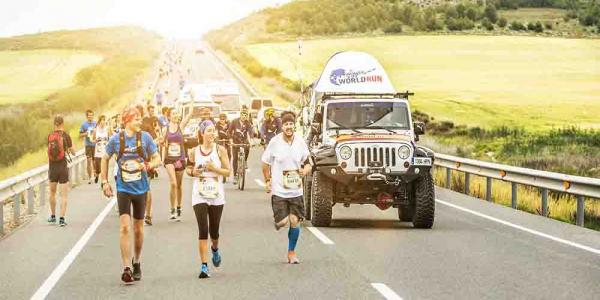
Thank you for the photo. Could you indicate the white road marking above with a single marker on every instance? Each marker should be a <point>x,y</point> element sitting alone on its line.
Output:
<point>384,290</point>
<point>260,182</point>
<point>62,267</point>
<point>321,236</point>
<point>519,227</point>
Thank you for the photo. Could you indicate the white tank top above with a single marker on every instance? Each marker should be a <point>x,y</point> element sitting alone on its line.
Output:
<point>101,141</point>
<point>208,189</point>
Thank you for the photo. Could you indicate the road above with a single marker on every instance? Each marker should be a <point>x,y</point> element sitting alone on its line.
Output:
<point>476,250</point>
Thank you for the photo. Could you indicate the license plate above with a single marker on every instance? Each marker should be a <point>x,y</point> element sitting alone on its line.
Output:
<point>422,161</point>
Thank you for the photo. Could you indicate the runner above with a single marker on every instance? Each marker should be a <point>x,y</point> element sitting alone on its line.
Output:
<point>174,159</point>
<point>163,122</point>
<point>271,126</point>
<point>85,131</point>
<point>285,161</point>
<point>100,136</point>
<point>240,132</point>
<point>136,155</point>
<point>59,147</point>
<point>222,126</point>
<point>210,164</point>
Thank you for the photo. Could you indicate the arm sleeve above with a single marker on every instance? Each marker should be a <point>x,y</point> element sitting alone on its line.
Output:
<point>267,156</point>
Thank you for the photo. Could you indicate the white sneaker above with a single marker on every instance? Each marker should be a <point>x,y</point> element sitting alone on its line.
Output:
<point>173,216</point>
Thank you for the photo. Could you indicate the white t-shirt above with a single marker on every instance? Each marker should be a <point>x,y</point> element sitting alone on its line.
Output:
<point>285,160</point>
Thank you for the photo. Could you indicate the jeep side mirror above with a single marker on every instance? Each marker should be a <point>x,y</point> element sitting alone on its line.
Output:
<point>419,128</point>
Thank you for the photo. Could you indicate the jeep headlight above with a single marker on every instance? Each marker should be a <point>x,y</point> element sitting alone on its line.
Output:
<point>404,152</point>
<point>345,152</point>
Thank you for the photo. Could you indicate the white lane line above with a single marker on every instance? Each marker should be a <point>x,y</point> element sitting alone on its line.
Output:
<point>519,227</point>
<point>51,281</point>
<point>260,182</point>
<point>324,239</point>
<point>384,290</point>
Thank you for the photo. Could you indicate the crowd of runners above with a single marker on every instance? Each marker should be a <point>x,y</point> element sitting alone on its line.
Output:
<point>146,139</point>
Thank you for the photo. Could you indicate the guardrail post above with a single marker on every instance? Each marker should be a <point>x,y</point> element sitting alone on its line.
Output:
<point>580,210</point>
<point>16,208</point>
<point>30,201</point>
<point>545,202</point>
<point>42,192</point>
<point>467,183</point>
<point>1,218</point>
<point>513,201</point>
<point>448,178</point>
<point>488,189</point>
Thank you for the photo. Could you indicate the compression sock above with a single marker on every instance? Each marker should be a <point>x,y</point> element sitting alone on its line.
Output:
<point>293,235</point>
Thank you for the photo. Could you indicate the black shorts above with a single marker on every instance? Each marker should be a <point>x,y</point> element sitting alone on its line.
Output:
<point>125,201</point>
<point>58,172</point>
<point>283,207</point>
<point>171,161</point>
<point>89,151</point>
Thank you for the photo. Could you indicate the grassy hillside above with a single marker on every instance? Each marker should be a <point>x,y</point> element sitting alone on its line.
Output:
<point>32,75</point>
<point>127,52</point>
<point>471,80</point>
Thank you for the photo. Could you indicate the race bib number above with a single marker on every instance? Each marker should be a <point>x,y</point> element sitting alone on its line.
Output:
<point>131,171</point>
<point>89,133</point>
<point>174,150</point>
<point>209,188</point>
<point>291,180</point>
<point>100,148</point>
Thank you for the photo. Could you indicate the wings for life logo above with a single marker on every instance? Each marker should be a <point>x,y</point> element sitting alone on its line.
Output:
<point>341,77</point>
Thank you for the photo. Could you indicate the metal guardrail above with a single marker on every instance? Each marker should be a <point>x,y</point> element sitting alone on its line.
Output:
<point>578,186</point>
<point>30,186</point>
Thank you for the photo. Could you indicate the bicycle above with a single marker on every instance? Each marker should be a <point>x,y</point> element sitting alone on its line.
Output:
<point>241,165</point>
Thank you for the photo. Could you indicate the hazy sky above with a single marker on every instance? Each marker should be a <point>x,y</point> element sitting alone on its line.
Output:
<point>172,18</point>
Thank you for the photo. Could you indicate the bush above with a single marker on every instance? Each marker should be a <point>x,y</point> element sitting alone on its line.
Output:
<point>502,22</point>
<point>487,24</point>
<point>491,14</point>
<point>537,26</point>
<point>460,24</point>
<point>393,27</point>
<point>517,26</point>
<point>548,25</point>
<point>471,14</point>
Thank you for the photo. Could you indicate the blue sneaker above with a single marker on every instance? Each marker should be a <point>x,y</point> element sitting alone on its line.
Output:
<point>204,271</point>
<point>216,257</point>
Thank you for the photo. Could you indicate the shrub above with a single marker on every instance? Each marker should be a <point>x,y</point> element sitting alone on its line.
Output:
<point>491,14</point>
<point>517,26</point>
<point>487,24</point>
<point>393,27</point>
<point>502,22</point>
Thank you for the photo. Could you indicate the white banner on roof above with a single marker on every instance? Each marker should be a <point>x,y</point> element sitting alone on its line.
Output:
<point>354,72</point>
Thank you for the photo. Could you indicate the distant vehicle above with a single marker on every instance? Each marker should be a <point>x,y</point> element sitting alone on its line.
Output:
<point>196,93</point>
<point>257,104</point>
<point>199,51</point>
<point>227,94</point>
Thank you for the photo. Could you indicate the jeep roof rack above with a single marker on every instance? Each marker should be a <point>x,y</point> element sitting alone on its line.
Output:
<point>402,95</point>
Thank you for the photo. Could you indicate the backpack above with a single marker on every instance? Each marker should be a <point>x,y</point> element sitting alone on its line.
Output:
<point>56,146</point>
<point>138,144</point>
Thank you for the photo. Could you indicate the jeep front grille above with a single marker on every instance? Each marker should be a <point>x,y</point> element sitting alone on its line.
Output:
<point>364,155</point>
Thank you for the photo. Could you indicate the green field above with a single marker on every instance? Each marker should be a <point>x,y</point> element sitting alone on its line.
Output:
<point>534,82</point>
<point>32,75</point>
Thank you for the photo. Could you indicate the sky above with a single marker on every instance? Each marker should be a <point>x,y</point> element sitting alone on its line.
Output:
<point>171,18</point>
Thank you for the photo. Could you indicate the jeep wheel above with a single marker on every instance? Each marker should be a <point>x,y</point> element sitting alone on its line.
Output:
<point>424,202</point>
<point>406,213</point>
<point>321,200</point>
<point>307,195</point>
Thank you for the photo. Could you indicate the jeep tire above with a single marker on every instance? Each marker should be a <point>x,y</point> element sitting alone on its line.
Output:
<point>321,200</point>
<point>424,201</point>
<point>406,213</point>
<point>307,196</point>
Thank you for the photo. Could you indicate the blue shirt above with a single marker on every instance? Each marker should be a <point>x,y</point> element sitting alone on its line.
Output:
<point>149,148</point>
<point>88,126</point>
<point>163,121</point>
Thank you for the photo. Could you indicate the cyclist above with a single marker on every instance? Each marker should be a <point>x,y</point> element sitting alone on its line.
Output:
<point>240,132</point>
<point>222,126</point>
<point>271,126</point>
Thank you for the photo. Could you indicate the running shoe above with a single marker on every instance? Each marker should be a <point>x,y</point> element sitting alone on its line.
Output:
<point>204,271</point>
<point>173,215</point>
<point>127,276</point>
<point>216,257</point>
<point>96,180</point>
<point>235,180</point>
<point>293,258</point>
<point>148,220</point>
<point>179,214</point>
<point>137,271</point>
<point>61,222</point>
<point>52,220</point>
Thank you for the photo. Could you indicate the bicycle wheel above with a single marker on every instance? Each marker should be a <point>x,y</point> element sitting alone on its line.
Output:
<point>242,180</point>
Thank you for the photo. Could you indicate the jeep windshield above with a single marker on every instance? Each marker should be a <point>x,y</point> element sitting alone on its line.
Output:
<point>367,115</point>
<point>197,112</point>
<point>228,102</point>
